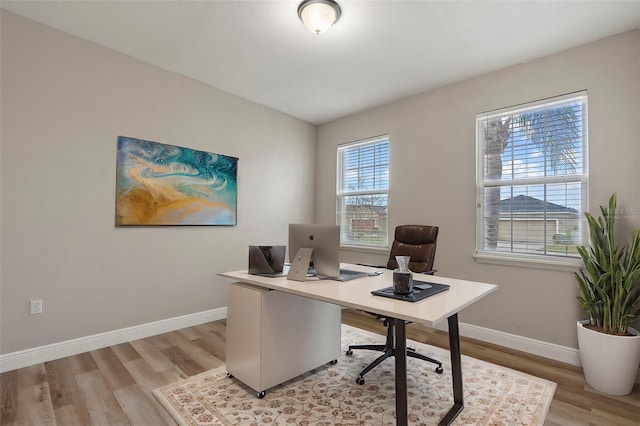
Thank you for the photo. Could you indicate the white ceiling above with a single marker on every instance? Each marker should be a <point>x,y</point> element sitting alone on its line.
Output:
<point>379,51</point>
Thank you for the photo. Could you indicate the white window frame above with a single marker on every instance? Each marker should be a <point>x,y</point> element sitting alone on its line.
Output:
<point>379,239</point>
<point>544,259</point>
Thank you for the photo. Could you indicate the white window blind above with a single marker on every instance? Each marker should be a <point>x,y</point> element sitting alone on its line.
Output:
<point>532,178</point>
<point>362,192</point>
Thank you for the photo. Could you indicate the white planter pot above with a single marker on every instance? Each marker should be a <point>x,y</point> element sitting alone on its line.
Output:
<point>610,363</point>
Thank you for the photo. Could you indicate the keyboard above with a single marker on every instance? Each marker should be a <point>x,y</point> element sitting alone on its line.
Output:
<point>348,274</point>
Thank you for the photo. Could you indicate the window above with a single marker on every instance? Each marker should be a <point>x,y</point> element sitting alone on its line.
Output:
<point>532,179</point>
<point>362,193</point>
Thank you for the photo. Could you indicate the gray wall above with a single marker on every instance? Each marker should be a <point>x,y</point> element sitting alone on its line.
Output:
<point>433,172</point>
<point>64,102</point>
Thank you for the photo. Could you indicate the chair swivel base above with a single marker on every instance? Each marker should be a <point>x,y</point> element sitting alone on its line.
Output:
<point>387,352</point>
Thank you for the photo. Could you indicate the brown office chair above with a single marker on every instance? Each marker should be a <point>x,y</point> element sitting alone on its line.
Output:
<point>418,242</point>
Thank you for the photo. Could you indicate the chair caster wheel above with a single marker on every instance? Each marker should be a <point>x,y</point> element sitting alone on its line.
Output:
<point>439,370</point>
<point>360,380</point>
<point>333,362</point>
<point>229,375</point>
<point>261,394</point>
<point>349,352</point>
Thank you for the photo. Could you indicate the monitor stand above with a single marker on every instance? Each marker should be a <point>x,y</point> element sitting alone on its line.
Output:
<point>300,265</point>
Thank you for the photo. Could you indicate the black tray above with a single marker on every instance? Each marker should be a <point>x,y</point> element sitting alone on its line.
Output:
<point>421,290</point>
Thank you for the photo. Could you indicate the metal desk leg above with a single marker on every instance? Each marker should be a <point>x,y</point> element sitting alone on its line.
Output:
<point>401,372</point>
<point>456,371</point>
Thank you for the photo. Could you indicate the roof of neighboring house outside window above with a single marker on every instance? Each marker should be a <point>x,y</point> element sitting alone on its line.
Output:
<point>524,203</point>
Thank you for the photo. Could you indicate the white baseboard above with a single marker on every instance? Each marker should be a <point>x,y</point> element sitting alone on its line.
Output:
<point>27,357</point>
<point>524,344</point>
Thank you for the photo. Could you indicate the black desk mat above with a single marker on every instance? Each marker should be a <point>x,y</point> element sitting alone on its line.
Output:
<point>421,290</point>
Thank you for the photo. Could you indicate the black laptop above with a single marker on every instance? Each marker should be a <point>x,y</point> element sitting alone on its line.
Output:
<point>267,261</point>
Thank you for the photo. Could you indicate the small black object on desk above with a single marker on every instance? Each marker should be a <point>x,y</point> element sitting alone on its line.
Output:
<point>421,290</point>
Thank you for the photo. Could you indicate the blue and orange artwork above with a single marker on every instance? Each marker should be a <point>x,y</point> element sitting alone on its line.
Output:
<point>158,184</point>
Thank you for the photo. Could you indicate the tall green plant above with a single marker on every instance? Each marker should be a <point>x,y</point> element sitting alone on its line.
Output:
<point>610,279</point>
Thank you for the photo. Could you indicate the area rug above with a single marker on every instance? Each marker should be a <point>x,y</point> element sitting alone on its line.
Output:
<point>329,395</point>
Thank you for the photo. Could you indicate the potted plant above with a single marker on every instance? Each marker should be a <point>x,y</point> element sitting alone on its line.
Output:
<point>609,286</point>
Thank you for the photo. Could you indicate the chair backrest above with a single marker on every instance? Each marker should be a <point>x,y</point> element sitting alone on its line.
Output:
<point>416,241</point>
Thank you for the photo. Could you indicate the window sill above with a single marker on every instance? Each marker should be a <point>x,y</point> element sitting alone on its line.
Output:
<point>366,249</point>
<point>557,264</point>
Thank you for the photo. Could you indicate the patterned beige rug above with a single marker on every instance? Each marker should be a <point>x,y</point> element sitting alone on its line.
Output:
<point>326,396</point>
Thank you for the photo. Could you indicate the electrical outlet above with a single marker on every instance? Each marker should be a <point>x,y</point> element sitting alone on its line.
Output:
<point>35,307</point>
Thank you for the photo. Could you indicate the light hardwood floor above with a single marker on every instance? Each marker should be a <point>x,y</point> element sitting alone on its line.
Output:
<point>112,386</point>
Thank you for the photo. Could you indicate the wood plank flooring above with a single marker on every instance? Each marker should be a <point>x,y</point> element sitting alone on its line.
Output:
<point>112,386</point>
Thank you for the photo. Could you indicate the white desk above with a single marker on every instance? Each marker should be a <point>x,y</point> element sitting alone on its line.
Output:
<point>430,311</point>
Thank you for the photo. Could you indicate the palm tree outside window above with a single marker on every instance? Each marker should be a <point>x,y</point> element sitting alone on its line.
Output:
<point>532,179</point>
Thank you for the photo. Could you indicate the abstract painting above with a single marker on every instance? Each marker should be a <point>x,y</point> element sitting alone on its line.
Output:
<point>158,184</point>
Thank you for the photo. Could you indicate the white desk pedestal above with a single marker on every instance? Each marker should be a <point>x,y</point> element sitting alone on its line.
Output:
<point>274,336</point>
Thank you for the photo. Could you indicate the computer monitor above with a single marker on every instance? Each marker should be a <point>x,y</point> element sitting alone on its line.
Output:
<point>325,242</point>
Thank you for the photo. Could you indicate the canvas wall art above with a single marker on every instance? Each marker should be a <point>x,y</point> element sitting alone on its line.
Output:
<point>160,184</point>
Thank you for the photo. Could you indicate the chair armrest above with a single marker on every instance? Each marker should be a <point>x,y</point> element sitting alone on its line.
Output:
<point>431,272</point>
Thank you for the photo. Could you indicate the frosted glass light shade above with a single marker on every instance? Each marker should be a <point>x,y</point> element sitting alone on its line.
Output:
<point>319,15</point>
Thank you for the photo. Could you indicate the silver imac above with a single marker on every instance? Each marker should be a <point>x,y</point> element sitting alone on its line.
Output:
<point>325,242</point>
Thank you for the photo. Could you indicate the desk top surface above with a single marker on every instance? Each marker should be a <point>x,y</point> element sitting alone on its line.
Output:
<point>357,293</point>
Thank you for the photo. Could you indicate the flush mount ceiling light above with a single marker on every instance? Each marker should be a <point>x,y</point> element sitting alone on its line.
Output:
<point>319,15</point>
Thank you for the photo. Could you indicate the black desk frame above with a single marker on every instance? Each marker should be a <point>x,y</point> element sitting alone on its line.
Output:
<point>401,372</point>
